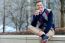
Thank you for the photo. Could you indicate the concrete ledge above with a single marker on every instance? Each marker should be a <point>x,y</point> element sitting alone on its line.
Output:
<point>58,38</point>
<point>29,39</point>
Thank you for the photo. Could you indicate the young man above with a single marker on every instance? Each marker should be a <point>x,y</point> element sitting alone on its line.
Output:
<point>45,19</point>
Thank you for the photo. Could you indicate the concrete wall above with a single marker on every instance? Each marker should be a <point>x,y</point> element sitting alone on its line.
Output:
<point>29,39</point>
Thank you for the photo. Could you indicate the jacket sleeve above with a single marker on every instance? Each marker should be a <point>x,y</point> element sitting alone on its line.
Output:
<point>49,22</point>
<point>34,20</point>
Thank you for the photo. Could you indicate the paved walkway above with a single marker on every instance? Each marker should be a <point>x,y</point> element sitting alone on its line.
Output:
<point>29,39</point>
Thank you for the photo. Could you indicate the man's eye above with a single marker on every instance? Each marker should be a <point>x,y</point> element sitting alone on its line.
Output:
<point>39,5</point>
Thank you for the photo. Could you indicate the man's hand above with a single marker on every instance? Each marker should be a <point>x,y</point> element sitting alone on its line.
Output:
<point>37,12</point>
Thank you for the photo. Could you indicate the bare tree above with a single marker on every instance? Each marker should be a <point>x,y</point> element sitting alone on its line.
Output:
<point>18,19</point>
<point>4,18</point>
<point>62,12</point>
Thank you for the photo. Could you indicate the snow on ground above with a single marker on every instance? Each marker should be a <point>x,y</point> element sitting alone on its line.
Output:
<point>7,29</point>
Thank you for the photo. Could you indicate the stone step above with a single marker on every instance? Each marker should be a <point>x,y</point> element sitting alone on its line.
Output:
<point>29,39</point>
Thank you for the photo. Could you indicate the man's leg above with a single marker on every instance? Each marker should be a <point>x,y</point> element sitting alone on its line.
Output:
<point>38,32</point>
<point>50,33</point>
<point>35,30</point>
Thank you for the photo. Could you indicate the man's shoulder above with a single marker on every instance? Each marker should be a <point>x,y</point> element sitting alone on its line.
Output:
<point>49,10</point>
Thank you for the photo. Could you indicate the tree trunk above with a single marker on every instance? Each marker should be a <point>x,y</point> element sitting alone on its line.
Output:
<point>4,18</point>
<point>62,15</point>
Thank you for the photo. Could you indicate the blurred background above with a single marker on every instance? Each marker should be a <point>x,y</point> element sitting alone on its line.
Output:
<point>15,15</point>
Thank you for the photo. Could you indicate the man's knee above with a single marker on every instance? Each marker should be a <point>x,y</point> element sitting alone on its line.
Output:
<point>35,30</point>
<point>50,33</point>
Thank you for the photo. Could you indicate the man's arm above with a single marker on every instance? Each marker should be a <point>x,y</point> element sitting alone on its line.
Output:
<point>34,20</point>
<point>50,22</point>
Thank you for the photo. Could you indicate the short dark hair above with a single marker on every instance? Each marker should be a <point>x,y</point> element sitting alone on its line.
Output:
<point>38,1</point>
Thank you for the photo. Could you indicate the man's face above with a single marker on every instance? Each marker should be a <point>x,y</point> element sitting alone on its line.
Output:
<point>40,6</point>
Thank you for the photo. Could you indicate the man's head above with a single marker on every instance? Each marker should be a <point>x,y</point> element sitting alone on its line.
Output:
<point>40,6</point>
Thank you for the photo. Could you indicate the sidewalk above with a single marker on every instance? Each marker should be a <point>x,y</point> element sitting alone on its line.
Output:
<point>29,39</point>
